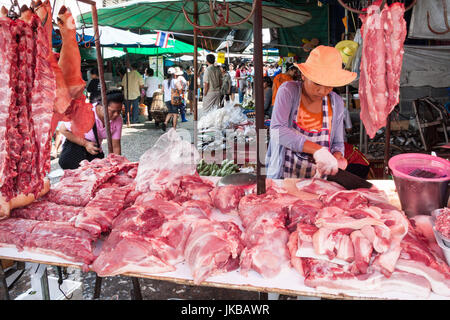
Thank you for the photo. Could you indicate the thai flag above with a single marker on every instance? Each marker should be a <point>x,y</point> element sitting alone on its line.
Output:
<point>162,39</point>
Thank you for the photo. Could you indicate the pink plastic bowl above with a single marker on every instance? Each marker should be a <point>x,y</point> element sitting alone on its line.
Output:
<point>403,164</point>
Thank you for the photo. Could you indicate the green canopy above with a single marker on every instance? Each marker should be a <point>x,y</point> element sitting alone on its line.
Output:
<point>174,47</point>
<point>317,27</point>
<point>168,15</point>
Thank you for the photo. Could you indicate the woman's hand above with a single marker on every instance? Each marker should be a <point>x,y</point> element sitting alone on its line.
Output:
<point>325,162</point>
<point>91,147</point>
<point>342,162</point>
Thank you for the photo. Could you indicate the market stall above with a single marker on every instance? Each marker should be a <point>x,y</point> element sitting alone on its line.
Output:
<point>162,219</point>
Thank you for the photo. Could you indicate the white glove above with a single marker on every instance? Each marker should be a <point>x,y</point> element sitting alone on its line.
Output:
<point>326,163</point>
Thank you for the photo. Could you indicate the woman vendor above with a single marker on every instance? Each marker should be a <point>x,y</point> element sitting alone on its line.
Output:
<point>306,129</point>
<point>76,149</point>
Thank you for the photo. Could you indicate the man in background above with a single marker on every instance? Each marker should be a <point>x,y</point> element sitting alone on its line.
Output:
<point>93,87</point>
<point>132,83</point>
<point>212,82</point>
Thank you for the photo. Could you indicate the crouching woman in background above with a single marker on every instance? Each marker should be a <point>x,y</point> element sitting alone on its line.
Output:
<point>76,149</point>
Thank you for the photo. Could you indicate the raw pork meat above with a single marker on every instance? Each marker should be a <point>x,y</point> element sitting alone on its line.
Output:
<point>77,187</point>
<point>226,198</point>
<point>303,212</point>
<point>98,215</point>
<point>27,95</point>
<point>265,246</point>
<point>69,59</point>
<point>416,257</point>
<point>212,248</point>
<point>332,278</point>
<point>193,187</point>
<point>318,186</point>
<point>53,238</point>
<point>47,211</point>
<point>124,254</point>
<point>252,205</point>
<point>443,222</point>
<point>383,35</point>
<point>8,109</point>
<point>62,102</point>
<point>142,240</point>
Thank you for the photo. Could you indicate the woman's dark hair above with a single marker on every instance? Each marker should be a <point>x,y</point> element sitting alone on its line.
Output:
<point>150,72</point>
<point>268,81</point>
<point>114,96</point>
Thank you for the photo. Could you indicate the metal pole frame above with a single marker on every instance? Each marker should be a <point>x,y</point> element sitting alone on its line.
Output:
<point>100,71</point>
<point>258,93</point>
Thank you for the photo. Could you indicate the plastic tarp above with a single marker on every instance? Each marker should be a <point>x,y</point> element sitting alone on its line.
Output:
<point>174,47</point>
<point>110,37</point>
<point>418,27</point>
<point>426,66</point>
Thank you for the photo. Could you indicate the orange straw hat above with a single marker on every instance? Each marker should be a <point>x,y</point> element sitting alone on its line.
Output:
<point>324,67</point>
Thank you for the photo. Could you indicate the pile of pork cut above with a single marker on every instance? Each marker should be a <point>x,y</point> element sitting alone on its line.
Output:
<point>340,241</point>
<point>356,242</point>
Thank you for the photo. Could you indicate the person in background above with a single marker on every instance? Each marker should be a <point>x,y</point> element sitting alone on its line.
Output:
<point>200,76</point>
<point>241,74</point>
<point>190,79</point>
<point>212,82</point>
<point>277,70</point>
<point>270,71</point>
<point>249,78</point>
<point>225,91</point>
<point>172,112</point>
<point>132,83</point>
<point>267,85</point>
<point>76,149</point>
<point>58,141</point>
<point>181,84</point>
<point>93,87</point>
<point>292,73</point>
<point>232,74</point>
<point>151,84</point>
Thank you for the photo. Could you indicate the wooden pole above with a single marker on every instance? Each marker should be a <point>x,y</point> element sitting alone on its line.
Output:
<point>101,76</point>
<point>194,94</point>
<point>258,94</point>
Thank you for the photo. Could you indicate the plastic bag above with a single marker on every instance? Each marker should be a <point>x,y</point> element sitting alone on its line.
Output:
<point>162,166</point>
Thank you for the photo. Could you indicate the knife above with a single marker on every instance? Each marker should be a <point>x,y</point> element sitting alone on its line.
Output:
<point>349,180</point>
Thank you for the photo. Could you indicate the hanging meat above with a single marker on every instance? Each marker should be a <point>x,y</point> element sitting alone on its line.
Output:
<point>71,102</point>
<point>63,98</point>
<point>383,36</point>
<point>69,58</point>
<point>27,97</point>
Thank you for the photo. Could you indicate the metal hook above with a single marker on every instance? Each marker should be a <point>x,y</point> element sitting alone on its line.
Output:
<point>221,22</point>
<point>444,5</point>
<point>381,7</point>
